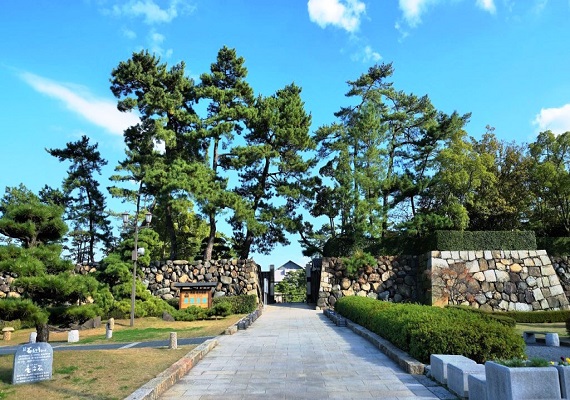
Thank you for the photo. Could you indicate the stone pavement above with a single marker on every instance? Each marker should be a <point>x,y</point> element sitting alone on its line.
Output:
<point>294,352</point>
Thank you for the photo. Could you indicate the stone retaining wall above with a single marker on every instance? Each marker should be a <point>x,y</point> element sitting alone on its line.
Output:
<point>233,277</point>
<point>492,280</point>
<point>496,280</point>
<point>393,278</point>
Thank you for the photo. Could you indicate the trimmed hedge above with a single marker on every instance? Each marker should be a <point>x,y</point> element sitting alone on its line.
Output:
<point>485,240</point>
<point>395,244</point>
<point>243,304</point>
<point>424,330</point>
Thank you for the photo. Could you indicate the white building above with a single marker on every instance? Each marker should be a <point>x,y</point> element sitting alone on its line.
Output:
<point>281,272</point>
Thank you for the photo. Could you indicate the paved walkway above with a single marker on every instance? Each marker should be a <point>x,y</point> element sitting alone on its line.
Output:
<point>293,352</point>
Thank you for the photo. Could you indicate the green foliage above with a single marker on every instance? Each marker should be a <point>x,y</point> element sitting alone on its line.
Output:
<point>47,290</point>
<point>22,309</point>
<point>192,313</point>
<point>358,260</point>
<point>28,220</point>
<point>243,304</point>
<point>424,330</point>
<point>521,362</point>
<point>293,287</point>
<point>150,307</point>
<point>502,317</point>
<point>73,315</point>
<point>86,208</point>
<point>16,324</point>
<point>484,240</point>
<point>541,317</point>
<point>554,246</point>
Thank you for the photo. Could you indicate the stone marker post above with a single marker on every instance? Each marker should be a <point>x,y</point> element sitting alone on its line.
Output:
<point>173,341</point>
<point>33,337</point>
<point>109,328</point>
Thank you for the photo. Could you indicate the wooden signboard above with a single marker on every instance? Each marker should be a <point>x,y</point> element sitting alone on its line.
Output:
<point>195,294</point>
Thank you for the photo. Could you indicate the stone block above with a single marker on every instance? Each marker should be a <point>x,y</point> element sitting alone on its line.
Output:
<point>477,384</point>
<point>564,377</point>
<point>504,383</point>
<point>439,363</point>
<point>552,339</point>
<point>73,336</point>
<point>457,374</point>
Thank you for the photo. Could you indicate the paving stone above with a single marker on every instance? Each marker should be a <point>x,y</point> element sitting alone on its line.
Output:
<point>293,352</point>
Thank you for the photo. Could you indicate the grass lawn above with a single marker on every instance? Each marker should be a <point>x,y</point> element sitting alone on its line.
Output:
<point>106,374</point>
<point>145,329</point>
<point>554,327</point>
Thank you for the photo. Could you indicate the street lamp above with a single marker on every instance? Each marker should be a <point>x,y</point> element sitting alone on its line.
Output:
<point>134,256</point>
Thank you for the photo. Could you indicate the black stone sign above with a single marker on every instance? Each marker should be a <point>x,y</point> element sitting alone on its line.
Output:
<point>32,363</point>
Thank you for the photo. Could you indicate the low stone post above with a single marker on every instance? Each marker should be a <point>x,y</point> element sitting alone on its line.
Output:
<point>173,341</point>
<point>33,337</point>
<point>73,336</point>
<point>7,333</point>
<point>109,328</point>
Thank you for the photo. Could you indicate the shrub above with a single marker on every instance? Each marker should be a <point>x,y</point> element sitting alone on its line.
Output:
<point>192,313</point>
<point>70,315</point>
<point>358,260</point>
<point>243,304</point>
<point>152,307</point>
<point>554,246</point>
<point>424,330</point>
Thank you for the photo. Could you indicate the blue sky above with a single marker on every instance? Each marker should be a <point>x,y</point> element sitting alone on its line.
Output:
<point>505,61</point>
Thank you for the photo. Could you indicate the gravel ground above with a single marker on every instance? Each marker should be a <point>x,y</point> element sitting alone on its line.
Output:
<point>547,352</point>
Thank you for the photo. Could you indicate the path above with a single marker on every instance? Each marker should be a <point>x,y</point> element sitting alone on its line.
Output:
<point>293,352</point>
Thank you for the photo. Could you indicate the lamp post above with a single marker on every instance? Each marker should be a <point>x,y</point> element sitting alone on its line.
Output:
<point>135,255</point>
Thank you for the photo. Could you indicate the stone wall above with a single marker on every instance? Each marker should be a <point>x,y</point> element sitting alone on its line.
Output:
<point>492,280</point>
<point>496,280</point>
<point>233,277</point>
<point>393,278</point>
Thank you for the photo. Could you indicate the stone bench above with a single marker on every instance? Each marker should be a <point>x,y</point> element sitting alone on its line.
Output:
<point>458,374</point>
<point>551,339</point>
<point>439,363</point>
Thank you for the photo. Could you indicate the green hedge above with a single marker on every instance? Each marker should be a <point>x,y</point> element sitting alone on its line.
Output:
<point>511,318</point>
<point>554,246</point>
<point>243,304</point>
<point>392,245</point>
<point>424,330</point>
<point>485,240</point>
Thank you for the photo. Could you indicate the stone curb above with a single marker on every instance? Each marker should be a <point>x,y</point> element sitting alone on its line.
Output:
<point>154,388</point>
<point>403,359</point>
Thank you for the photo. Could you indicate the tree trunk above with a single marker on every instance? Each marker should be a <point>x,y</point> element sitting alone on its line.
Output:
<point>211,238</point>
<point>43,333</point>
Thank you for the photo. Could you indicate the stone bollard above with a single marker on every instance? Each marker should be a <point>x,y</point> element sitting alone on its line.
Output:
<point>7,333</point>
<point>173,341</point>
<point>111,323</point>
<point>109,329</point>
<point>73,336</point>
<point>33,337</point>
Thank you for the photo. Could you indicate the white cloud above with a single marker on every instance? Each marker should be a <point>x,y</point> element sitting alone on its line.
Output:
<point>487,5</point>
<point>367,55</point>
<point>413,9</point>
<point>100,112</point>
<point>129,33</point>
<point>343,14</point>
<point>155,43</point>
<point>151,12</point>
<point>555,119</point>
